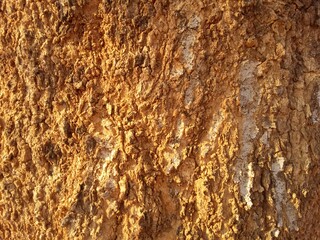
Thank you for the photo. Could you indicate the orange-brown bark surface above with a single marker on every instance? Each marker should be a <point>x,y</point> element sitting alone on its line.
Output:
<point>159,119</point>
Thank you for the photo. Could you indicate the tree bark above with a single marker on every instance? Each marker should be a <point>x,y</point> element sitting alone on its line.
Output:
<point>159,119</point>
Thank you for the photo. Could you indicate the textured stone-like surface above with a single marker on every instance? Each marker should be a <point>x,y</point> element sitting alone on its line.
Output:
<point>159,119</point>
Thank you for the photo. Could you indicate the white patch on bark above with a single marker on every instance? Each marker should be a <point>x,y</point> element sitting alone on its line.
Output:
<point>211,135</point>
<point>176,72</point>
<point>174,160</point>
<point>280,188</point>
<point>187,57</point>
<point>283,205</point>
<point>189,95</point>
<point>194,22</point>
<point>248,130</point>
<point>172,154</point>
<point>187,52</point>
<point>108,156</point>
<point>265,138</point>
<point>215,127</point>
<point>180,129</point>
<point>188,42</point>
<point>315,113</point>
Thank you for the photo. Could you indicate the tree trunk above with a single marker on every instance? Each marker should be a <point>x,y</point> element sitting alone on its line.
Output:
<point>159,119</point>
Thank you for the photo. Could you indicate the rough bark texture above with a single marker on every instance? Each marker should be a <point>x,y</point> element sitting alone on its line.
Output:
<point>159,119</point>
